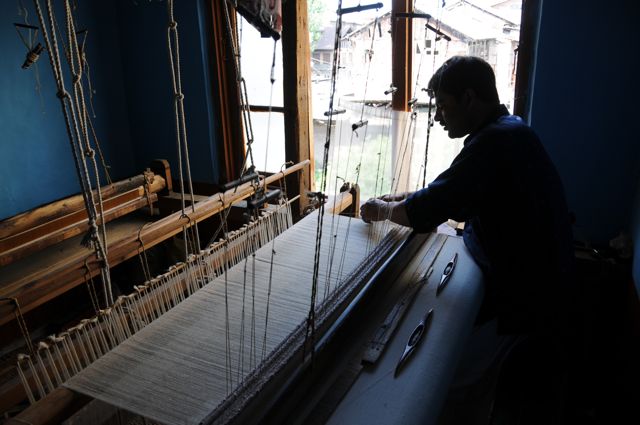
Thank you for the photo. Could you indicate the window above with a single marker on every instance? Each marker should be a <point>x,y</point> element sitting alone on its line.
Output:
<point>257,55</point>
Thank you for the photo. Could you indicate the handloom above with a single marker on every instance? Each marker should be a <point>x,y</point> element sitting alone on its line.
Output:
<point>199,355</point>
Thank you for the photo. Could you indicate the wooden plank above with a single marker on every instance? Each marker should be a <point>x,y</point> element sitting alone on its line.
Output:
<point>296,60</point>
<point>401,54</point>
<point>10,251</point>
<point>48,283</point>
<point>339,203</point>
<point>21,222</point>
<point>263,108</point>
<point>53,409</point>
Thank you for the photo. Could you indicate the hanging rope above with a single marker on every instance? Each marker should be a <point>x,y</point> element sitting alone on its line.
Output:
<point>173,46</point>
<point>242,86</point>
<point>21,323</point>
<point>354,129</point>
<point>74,112</point>
<point>311,324</point>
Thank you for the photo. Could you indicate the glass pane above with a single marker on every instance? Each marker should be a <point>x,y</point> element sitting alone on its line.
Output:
<point>256,57</point>
<point>487,29</point>
<point>362,156</point>
<point>268,144</point>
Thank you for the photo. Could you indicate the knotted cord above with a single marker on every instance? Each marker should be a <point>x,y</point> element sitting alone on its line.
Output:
<point>173,46</point>
<point>310,329</point>
<point>74,112</point>
<point>242,86</point>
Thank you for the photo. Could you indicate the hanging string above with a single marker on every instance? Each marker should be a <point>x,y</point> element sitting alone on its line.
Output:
<point>431,94</point>
<point>88,278</point>
<point>283,188</point>
<point>173,45</point>
<point>76,67</point>
<point>355,128</point>
<point>74,113</point>
<point>273,80</point>
<point>142,255</point>
<point>21,322</point>
<point>311,327</point>
<point>92,338</point>
<point>85,66</point>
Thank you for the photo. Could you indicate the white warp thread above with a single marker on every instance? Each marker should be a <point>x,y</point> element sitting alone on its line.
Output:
<point>175,369</point>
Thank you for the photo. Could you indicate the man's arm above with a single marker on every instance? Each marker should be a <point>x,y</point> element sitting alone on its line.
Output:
<point>378,210</point>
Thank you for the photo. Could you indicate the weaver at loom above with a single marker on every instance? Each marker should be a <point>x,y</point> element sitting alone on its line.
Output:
<point>258,326</point>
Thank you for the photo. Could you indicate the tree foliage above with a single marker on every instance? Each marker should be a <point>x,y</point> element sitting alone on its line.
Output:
<point>316,11</point>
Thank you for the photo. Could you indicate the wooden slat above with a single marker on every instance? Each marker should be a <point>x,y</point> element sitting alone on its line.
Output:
<point>21,222</point>
<point>263,108</point>
<point>339,203</point>
<point>401,73</point>
<point>46,284</point>
<point>53,409</point>
<point>11,250</point>
<point>298,127</point>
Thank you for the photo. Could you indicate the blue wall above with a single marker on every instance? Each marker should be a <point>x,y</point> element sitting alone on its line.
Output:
<point>143,29</point>
<point>584,108</point>
<point>36,163</point>
<point>135,122</point>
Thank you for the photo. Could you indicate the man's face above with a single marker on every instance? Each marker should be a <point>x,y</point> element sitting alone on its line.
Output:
<point>452,114</point>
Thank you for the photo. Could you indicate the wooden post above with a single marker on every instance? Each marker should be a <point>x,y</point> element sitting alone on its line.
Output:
<point>401,56</point>
<point>298,125</point>
<point>228,95</point>
<point>527,48</point>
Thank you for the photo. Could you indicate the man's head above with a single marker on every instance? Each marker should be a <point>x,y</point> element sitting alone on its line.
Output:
<point>465,91</point>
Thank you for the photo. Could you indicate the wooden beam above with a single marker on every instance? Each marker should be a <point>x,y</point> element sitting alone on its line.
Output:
<point>39,237</point>
<point>339,203</point>
<point>57,406</point>
<point>38,288</point>
<point>262,108</point>
<point>298,126</point>
<point>38,216</point>
<point>401,54</point>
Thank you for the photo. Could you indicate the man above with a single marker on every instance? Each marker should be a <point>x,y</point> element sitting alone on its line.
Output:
<point>505,188</point>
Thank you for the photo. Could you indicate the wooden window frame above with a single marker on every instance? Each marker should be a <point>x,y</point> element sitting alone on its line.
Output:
<point>296,58</point>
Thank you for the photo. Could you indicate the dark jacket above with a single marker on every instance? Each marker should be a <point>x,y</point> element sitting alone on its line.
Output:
<point>505,188</point>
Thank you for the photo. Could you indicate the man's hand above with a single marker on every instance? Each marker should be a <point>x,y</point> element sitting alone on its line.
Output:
<point>377,210</point>
<point>394,197</point>
<point>374,210</point>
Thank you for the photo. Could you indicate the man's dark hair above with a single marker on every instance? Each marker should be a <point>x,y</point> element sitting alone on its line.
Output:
<point>460,73</point>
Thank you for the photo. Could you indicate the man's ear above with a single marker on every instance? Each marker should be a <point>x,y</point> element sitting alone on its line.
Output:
<point>469,96</point>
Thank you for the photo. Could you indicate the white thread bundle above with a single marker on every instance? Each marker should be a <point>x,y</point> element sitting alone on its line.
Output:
<point>176,370</point>
<point>64,355</point>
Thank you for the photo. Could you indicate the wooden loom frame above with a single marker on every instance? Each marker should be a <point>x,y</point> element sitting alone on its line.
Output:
<point>299,136</point>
